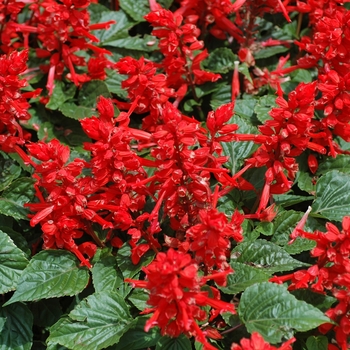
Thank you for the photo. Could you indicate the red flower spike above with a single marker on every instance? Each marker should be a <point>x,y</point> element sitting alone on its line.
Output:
<point>176,297</point>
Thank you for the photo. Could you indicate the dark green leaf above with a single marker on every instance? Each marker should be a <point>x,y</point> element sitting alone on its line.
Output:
<point>12,263</point>
<point>147,43</point>
<point>243,277</point>
<point>270,51</point>
<point>125,265</point>
<point>113,82</point>
<point>266,255</point>
<point>71,110</point>
<point>321,301</point>
<point>20,191</point>
<point>60,95</point>
<point>139,298</point>
<point>221,96</point>
<point>96,323</point>
<point>332,196</point>
<point>100,14</point>
<point>91,91</point>
<point>9,171</point>
<point>136,338</point>
<point>276,314</point>
<point>317,343</point>
<point>239,151</point>
<point>46,312</point>
<point>340,163</point>
<point>138,9</point>
<point>179,343</point>
<point>51,273</point>
<point>221,60</point>
<point>17,331</point>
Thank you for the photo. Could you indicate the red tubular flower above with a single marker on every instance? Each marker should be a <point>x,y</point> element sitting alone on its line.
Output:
<point>176,297</point>
<point>257,342</point>
<point>13,103</point>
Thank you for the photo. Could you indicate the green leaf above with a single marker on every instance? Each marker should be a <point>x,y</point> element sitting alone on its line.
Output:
<point>100,14</point>
<point>245,108</point>
<point>139,298</point>
<point>221,60</point>
<point>270,51</point>
<point>283,226</point>
<point>135,9</point>
<point>264,106</point>
<point>239,151</point>
<point>136,338</point>
<point>105,275</point>
<point>305,182</point>
<point>243,277</point>
<point>9,171</point>
<point>128,269</point>
<point>17,331</point>
<point>321,301</point>
<point>147,43</point>
<point>276,314</point>
<point>179,343</point>
<point>60,95</point>
<point>138,9</point>
<point>91,91</point>
<point>317,343</point>
<point>332,196</point>
<point>96,323</point>
<point>266,255</point>
<point>12,263</point>
<point>71,110</point>
<point>301,76</point>
<point>221,96</point>
<point>340,163</point>
<point>114,83</point>
<point>20,191</point>
<point>50,273</point>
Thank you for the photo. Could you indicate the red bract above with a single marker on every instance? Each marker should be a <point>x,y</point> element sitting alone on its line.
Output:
<point>178,43</point>
<point>257,342</point>
<point>13,102</point>
<point>176,298</point>
<point>61,29</point>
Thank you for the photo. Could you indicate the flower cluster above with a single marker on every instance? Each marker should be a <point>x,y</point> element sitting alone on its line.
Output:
<point>176,297</point>
<point>14,103</point>
<point>330,273</point>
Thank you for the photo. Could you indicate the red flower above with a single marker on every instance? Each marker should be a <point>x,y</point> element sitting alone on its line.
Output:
<point>176,298</point>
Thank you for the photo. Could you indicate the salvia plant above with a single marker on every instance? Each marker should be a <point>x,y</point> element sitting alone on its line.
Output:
<point>175,174</point>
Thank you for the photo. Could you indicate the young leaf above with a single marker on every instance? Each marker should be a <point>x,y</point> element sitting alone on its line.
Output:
<point>276,314</point>
<point>332,196</point>
<point>16,333</point>
<point>12,262</point>
<point>96,323</point>
<point>50,273</point>
<point>266,255</point>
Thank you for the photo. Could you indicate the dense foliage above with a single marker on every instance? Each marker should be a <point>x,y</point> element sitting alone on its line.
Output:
<point>175,174</point>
